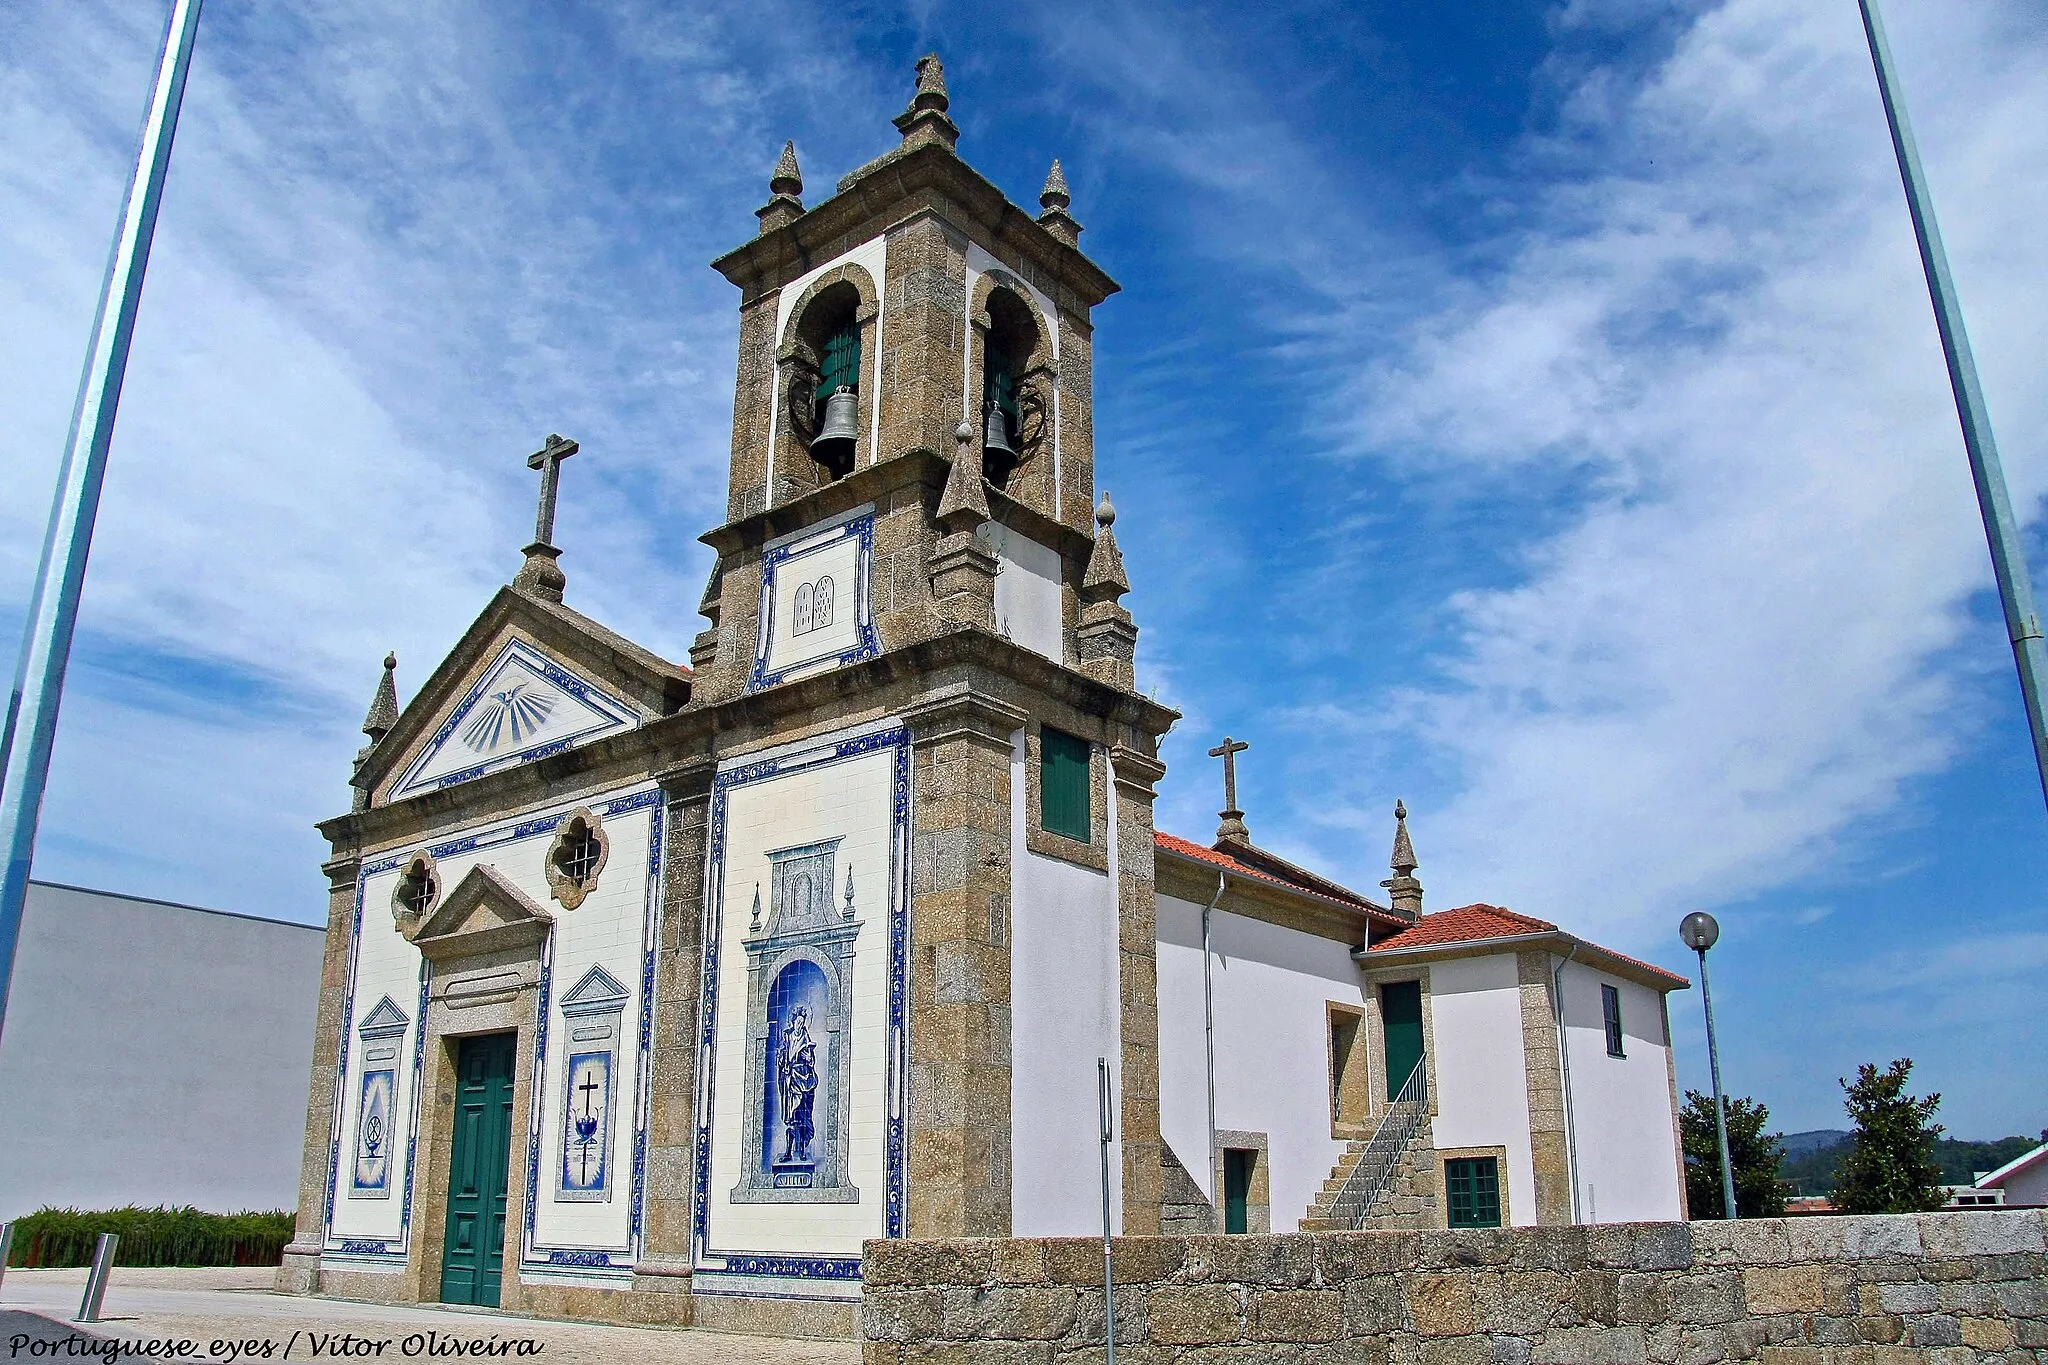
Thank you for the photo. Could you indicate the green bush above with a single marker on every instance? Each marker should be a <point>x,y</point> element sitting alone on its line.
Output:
<point>159,1236</point>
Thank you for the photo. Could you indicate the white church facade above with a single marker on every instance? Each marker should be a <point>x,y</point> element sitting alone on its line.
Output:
<point>651,991</point>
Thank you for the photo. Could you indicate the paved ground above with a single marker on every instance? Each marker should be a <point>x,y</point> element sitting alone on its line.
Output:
<point>231,1315</point>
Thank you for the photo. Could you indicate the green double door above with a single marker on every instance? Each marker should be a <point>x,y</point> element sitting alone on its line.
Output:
<point>473,1246</point>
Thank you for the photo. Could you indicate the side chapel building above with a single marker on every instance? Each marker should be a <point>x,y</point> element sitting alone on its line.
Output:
<point>651,991</point>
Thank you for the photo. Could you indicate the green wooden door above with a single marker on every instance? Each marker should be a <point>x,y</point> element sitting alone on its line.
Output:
<point>1401,1014</point>
<point>473,1247</point>
<point>1237,1187</point>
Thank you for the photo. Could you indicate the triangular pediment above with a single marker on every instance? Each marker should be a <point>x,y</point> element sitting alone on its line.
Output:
<point>599,992</point>
<point>525,705</point>
<point>528,679</point>
<point>484,913</point>
<point>384,1017</point>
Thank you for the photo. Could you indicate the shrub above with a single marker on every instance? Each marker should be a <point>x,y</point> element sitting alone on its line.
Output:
<point>151,1237</point>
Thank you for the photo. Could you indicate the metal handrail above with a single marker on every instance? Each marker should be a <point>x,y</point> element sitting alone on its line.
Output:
<point>1375,1168</point>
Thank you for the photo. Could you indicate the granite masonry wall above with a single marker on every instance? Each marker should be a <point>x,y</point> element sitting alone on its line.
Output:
<point>1943,1287</point>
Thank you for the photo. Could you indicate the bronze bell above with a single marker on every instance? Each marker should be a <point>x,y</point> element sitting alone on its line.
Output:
<point>998,455</point>
<point>833,446</point>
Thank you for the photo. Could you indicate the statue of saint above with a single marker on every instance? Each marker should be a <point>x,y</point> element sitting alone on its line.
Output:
<point>796,1077</point>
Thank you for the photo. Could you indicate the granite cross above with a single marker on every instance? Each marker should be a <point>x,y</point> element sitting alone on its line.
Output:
<point>548,460</point>
<point>1228,752</point>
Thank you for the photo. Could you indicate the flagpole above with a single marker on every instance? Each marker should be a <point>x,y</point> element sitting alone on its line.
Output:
<point>2008,560</point>
<point>53,610</point>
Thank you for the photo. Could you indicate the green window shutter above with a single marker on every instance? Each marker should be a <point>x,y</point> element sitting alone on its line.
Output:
<point>1474,1187</point>
<point>842,362</point>
<point>1063,785</point>
<point>1610,1015</point>
<point>1237,1188</point>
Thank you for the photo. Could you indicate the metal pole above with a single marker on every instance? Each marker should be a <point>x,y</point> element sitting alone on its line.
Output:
<point>2008,561</point>
<point>96,1281</point>
<point>1720,1106</point>
<point>1108,1275</point>
<point>1209,1043</point>
<point>53,610</point>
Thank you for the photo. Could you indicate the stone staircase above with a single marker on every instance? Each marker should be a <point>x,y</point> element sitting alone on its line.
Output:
<point>1388,1180</point>
<point>1410,1199</point>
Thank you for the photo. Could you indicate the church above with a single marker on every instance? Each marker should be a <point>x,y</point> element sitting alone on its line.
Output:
<point>651,990</point>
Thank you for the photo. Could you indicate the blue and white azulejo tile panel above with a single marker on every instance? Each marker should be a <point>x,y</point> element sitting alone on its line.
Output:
<point>800,1109</point>
<point>525,706</point>
<point>815,608</point>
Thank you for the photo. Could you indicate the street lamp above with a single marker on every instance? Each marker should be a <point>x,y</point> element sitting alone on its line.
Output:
<point>1699,932</point>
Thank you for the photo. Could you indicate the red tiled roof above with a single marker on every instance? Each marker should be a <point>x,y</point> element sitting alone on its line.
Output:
<point>1475,923</point>
<point>1464,925</point>
<point>1309,883</point>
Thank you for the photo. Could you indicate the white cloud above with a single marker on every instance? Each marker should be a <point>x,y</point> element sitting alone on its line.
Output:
<point>1743,640</point>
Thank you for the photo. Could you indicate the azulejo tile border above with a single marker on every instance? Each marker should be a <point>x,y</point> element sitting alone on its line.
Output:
<point>867,643</point>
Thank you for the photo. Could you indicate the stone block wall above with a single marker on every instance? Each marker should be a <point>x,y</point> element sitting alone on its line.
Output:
<point>1943,1287</point>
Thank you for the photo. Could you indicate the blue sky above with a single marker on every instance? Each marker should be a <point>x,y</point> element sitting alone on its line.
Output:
<point>1530,411</point>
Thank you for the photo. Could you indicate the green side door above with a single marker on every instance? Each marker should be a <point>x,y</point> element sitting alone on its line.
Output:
<point>1401,1015</point>
<point>473,1247</point>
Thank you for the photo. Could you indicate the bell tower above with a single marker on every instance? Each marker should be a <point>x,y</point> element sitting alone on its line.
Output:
<point>915,546</point>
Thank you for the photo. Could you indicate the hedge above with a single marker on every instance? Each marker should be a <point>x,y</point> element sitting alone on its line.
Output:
<point>151,1237</point>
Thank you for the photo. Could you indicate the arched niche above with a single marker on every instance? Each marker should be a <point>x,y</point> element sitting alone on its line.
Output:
<point>1007,328</point>
<point>839,302</point>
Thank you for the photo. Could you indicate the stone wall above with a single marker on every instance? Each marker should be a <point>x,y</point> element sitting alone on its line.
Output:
<point>1946,1287</point>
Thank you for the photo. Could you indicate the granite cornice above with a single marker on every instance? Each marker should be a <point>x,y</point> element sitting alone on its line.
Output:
<point>875,197</point>
<point>867,484</point>
<point>871,484</point>
<point>606,764</point>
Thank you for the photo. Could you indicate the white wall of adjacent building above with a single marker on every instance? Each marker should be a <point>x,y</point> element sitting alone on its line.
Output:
<point>1621,1106</point>
<point>1063,1016</point>
<point>1482,1088</point>
<point>1271,989</point>
<point>154,1054</point>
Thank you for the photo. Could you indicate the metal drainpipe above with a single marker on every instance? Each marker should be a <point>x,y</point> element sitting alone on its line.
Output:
<point>1209,1048</point>
<point>1564,1053</point>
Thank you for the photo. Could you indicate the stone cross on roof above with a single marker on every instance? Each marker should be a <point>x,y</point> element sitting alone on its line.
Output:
<point>1233,827</point>
<point>548,460</point>
<point>540,575</point>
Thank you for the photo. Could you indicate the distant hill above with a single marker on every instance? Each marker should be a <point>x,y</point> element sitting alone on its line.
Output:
<point>1813,1158</point>
<point>1799,1144</point>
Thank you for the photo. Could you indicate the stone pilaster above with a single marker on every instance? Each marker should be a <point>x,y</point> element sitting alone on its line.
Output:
<point>959,988</point>
<point>1077,420</point>
<point>300,1271</point>
<point>1540,1063</point>
<point>1138,987</point>
<point>924,323</point>
<point>753,397</point>
<point>664,1265</point>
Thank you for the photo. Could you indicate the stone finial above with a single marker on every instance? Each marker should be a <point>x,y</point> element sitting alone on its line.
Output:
<point>925,120</point>
<point>1054,199</point>
<point>786,178</point>
<point>785,189</point>
<point>1104,579</point>
<point>1054,195</point>
<point>1406,897</point>
<point>384,706</point>
<point>964,504</point>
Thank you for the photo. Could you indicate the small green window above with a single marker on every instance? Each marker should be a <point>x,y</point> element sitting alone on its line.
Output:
<point>1474,1187</point>
<point>842,362</point>
<point>1610,1015</point>
<point>1063,785</point>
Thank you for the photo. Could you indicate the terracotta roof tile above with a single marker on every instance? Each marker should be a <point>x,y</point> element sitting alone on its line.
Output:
<point>1475,923</point>
<point>1309,883</point>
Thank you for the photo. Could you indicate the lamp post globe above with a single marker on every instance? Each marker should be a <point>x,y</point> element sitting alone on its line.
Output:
<point>1700,931</point>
